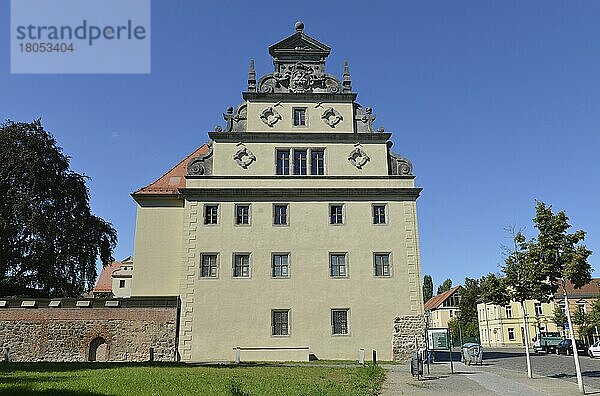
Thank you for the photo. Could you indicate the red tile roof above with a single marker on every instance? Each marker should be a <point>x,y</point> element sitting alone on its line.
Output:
<point>104,283</point>
<point>174,179</point>
<point>435,301</point>
<point>590,290</point>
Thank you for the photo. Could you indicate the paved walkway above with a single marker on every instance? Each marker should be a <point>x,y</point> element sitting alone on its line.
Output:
<point>474,380</point>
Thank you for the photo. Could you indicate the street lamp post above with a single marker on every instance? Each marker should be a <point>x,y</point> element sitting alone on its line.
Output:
<point>459,328</point>
<point>427,316</point>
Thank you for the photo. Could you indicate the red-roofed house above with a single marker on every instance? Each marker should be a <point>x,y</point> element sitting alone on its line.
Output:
<point>443,307</point>
<point>115,280</point>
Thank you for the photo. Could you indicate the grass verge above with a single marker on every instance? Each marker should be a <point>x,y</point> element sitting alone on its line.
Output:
<point>94,379</point>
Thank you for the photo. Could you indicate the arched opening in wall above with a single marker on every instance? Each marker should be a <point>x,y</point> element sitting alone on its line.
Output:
<point>98,350</point>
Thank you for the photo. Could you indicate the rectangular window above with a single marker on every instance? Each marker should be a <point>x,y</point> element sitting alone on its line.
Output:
<point>208,266</point>
<point>317,162</point>
<point>337,265</point>
<point>280,266</point>
<point>538,309</point>
<point>299,117</point>
<point>508,312</point>
<point>241,265</point>
<point>280,216</point>
<point>378,214</point>
<point>336,214</point>
<point>283,162</point>
<point>242,214</point>
<point>382,264</point>
<point>280,322</point>
<point>211,213</point>
<point>511,334</point>
<point>300,162</point>
<point>339,321</point>
<point>121,283</point>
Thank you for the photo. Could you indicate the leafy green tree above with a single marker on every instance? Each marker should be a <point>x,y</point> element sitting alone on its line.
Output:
<point>469,296</point>
<point>49,239</point>
<point>444,287</point>
<point>427,288</point>
<point>454,326</point>
<point>537,269</point>
<point>560,257</point>
<point>559,317</point>
<point>580,318</point>
<point>594,315</point>
<point>493,290</point>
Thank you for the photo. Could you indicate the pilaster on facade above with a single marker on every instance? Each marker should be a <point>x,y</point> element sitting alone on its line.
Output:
<point>189,268</point>
<point>412,257</point>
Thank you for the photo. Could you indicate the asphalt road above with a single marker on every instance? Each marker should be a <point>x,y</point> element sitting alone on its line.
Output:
<point>562,367</point>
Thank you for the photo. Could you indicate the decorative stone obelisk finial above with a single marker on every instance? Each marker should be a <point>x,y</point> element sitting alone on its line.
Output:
<point>347,83</point>
<point>251,77</point>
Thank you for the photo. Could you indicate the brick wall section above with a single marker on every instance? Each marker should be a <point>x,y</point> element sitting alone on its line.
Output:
<point>409,335</point>
<point>64,334</point>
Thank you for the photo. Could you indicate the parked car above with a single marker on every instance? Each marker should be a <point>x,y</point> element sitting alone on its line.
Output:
<point>564,347</point>
<point>594,350</point>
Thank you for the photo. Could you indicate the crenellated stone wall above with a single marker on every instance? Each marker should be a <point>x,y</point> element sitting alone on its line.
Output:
<point>69,334</point>
<point>409,335</point>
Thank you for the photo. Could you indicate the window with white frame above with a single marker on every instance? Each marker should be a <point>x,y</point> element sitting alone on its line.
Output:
<point>538,309</point>
<point>299,117</point>
<point>337,265</point>
<point>339,321</point>
<point>280,214</point>
<point>379,214</point>
<point>381,263</point>
<point>242,214</point>
<point>508,312</point>
<point>511,334</point>
<point>300,161</point>
<point>280,265</point>
<point>208,266</point>
<point>282,162</point>
<point>336,214</point>
<point>241,265</point>
<point>211,214</point>
<point>280,322</point>
<point>317,161</point>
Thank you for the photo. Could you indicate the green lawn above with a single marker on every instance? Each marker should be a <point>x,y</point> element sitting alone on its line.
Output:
<point>79,379</point>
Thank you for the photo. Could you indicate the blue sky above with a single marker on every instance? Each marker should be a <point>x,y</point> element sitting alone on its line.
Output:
<point>496,104</point>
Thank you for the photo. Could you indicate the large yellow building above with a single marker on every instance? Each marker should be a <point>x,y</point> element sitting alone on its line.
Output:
<point>293,232</point>
<point>502,326</point>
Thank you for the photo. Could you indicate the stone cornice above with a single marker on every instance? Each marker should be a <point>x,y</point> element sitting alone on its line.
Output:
<point>292,137</point>
<point>303,177</point>
<point>299,97</point>
<point>301,194</point>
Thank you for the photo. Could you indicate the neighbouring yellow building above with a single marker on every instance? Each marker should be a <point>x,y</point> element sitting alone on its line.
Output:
<point>293,231</point>
<point>502,326</point>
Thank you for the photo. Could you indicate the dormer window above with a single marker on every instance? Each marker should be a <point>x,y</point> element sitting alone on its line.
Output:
<point>299,117</point>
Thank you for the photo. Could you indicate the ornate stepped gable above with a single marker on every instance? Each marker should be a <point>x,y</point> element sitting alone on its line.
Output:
<point>299,62</point>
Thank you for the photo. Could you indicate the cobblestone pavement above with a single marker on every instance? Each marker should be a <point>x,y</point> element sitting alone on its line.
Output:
<point>562,367</point>
<point>503,373</point>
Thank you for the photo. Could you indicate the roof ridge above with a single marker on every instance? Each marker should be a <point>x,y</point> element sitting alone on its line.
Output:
<point>162,188</point>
